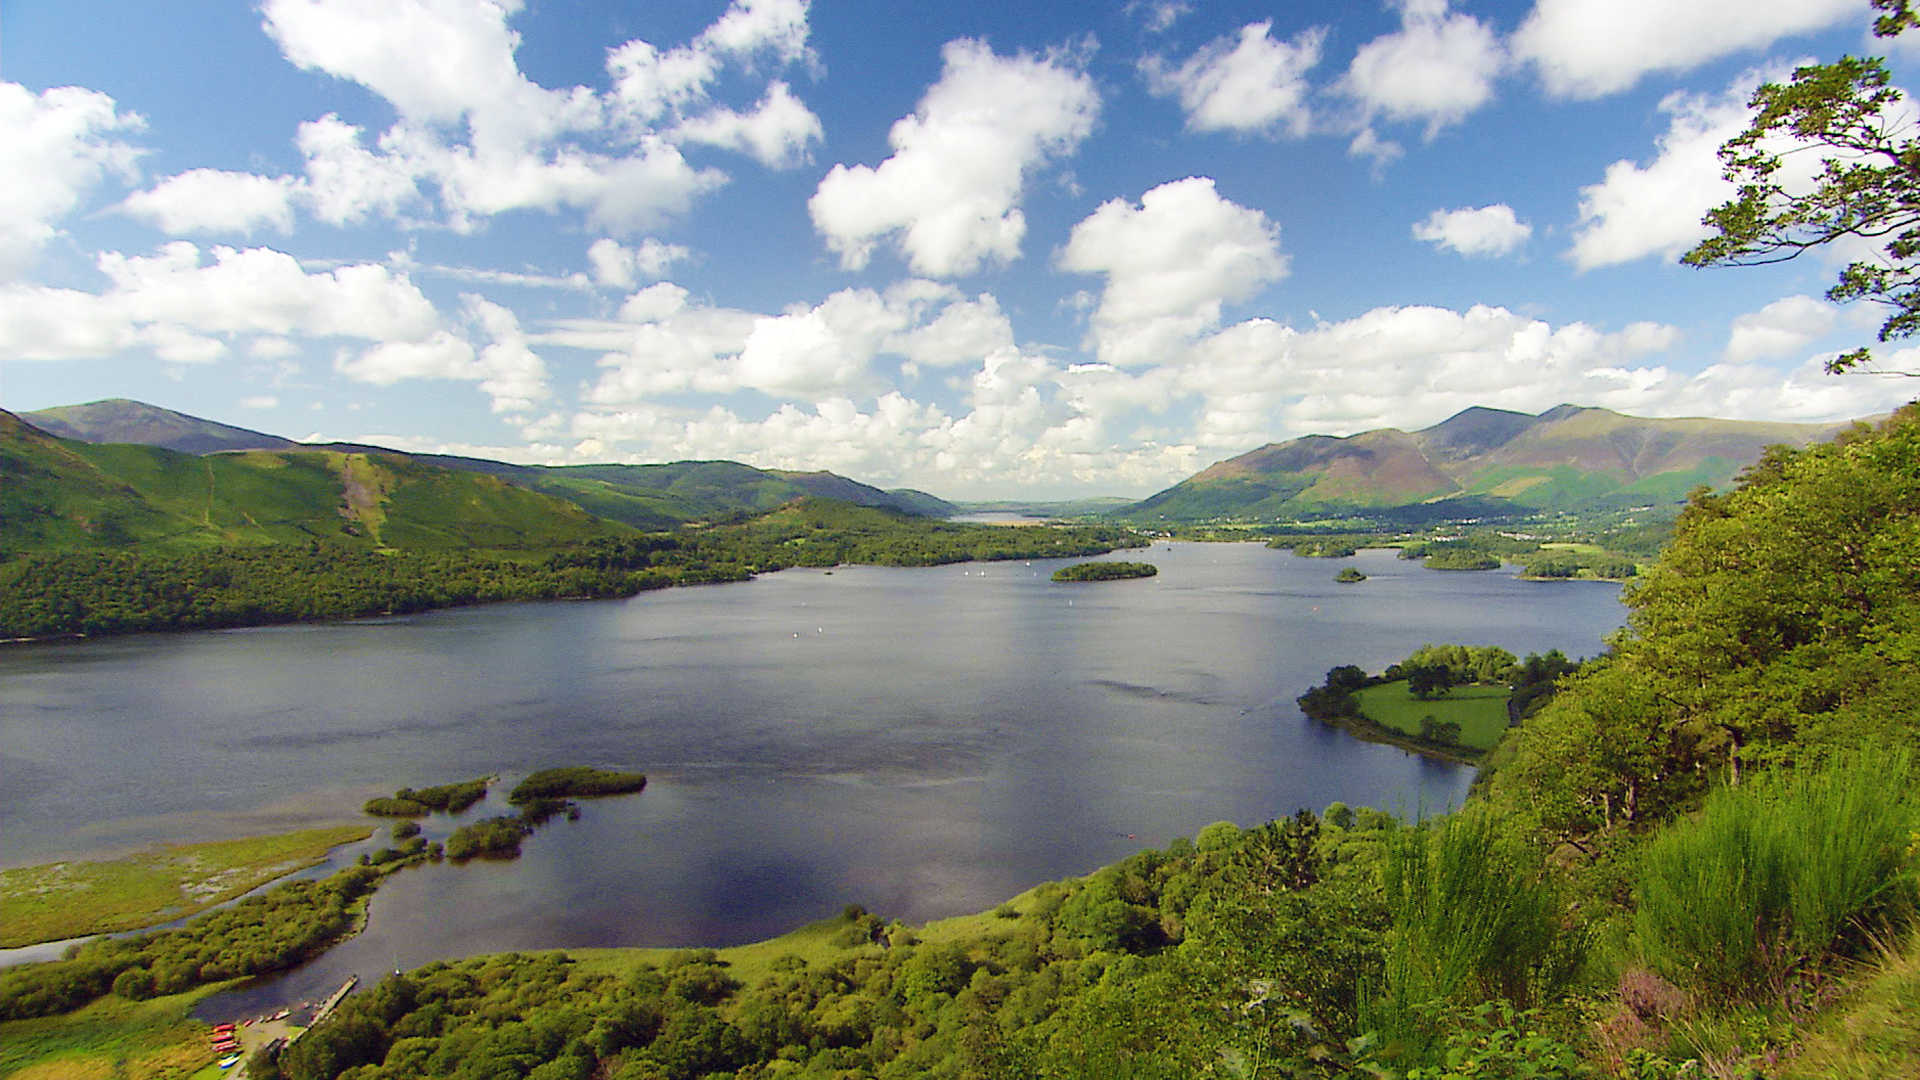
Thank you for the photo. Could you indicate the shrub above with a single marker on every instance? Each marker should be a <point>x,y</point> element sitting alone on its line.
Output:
<point>1474,916</point>
<point>1777,872</point>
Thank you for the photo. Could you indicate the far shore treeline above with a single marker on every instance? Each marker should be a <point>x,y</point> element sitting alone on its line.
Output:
<point>96,592</point>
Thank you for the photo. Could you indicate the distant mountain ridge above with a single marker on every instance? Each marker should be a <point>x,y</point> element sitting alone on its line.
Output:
<point>1569,457</point>
<point>642,496</point>
<point>120,420</point>
<point>65,495</point>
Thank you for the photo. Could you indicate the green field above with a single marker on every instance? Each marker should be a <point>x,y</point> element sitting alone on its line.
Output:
<point>69,899</point>
<point>112,1037</point>
<point>1481,711</point>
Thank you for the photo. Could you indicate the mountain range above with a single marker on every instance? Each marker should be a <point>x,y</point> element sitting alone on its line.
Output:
<point>642,496</point>
<point>1480,461</point>
<point>110,473</point>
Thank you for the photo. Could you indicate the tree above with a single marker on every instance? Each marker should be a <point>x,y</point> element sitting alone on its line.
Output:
<point>1347,677</point>
<point>1867,186</point>
<point>1428,680</point>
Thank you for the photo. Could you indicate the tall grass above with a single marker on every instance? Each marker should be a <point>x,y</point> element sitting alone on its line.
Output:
<point>1475,918</point>
<point>1779,871</point>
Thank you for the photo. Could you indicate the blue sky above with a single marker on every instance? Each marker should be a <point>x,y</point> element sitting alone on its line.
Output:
<point>981,249</point>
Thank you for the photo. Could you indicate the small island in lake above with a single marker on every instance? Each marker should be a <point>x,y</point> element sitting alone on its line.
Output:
<point>575,781</point>
<point>447,798</point>
<point>1105,571</point>
<point>1348,575</point>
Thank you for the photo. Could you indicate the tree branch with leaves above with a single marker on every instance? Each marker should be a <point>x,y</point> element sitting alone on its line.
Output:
<point>1867,185</point>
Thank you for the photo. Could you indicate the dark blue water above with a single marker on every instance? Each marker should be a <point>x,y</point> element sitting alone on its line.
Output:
<point>924,742</point>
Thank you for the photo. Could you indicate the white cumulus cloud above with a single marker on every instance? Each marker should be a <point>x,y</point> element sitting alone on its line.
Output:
<point>1170,263</point>
<point>621,267</point>
<point>1437,68</point>
<point>507,370</point>
<point>187,309</point>
<point>965,332</point>
<point>1655,209</point>
<point>775,133</point>
<point>58,145</point>
<point>214,200</point>
<point>1248,83</point>
<point>479,138</point>
<point>1476,232</point>
<point>950,194</point>
<point>1591,48</point>
<point>345,182</point>
<point>662,344</point>
<point>1779,329</point>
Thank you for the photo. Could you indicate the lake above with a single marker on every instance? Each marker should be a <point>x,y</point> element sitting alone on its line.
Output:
<point>925,742</point>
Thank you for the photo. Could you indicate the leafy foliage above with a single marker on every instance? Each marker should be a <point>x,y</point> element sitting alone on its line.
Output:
<point>1476,918</point>
<point>1412,704</point>
<point>1867,186</point>
<point>446,798</point>
<point>1781,624</point>
<point>496,837</point>
<point>1777,871</point>
<point>1462,560</point>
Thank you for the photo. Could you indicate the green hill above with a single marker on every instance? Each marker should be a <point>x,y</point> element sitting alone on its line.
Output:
<point>1490,460</point>
<point>643,496</point>
<point>59,495</point>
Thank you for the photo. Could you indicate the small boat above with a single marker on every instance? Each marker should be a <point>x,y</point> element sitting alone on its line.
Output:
<point>228,1063</point>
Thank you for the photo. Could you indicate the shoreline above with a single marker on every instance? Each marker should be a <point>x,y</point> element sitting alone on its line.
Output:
<point>627,592</point>
<point>1370,731</point>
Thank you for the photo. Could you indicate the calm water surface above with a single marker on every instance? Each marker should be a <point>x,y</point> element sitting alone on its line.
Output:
<point>925,742</point>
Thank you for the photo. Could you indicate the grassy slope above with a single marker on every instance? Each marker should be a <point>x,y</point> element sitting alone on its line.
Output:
<point>1871,1033</point>
<point>1481,711</point>
<point>69,899</point>
<point>59,495</point>
<point>112,1037</point>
